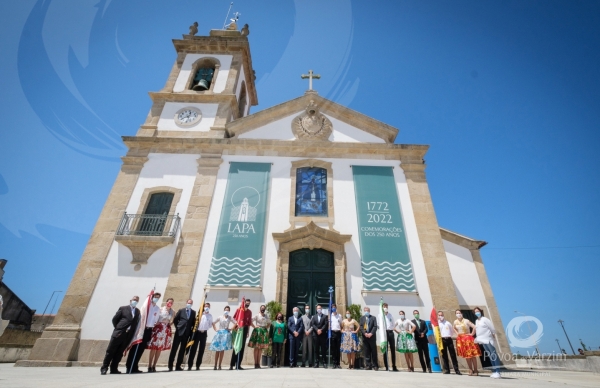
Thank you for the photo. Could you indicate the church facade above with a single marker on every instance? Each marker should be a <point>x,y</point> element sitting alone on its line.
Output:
<point>288,204</point>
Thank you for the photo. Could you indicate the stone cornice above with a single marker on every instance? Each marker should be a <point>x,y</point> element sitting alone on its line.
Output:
<point>309,231</point>
<point>191,96</point>
<point>461,240</point>
<point>330,108</point>
<point>407,153</point>
<point>229,43</point>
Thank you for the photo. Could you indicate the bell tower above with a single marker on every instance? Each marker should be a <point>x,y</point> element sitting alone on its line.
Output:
<point>210,84</point>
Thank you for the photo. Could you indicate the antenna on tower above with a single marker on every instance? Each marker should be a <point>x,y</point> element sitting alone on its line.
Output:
<point>226,17</point>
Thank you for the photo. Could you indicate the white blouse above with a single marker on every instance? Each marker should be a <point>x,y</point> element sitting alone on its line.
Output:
<point>404,325</point>
<point>484,328</point>
<point>224,322</point>
<point>166,315</point>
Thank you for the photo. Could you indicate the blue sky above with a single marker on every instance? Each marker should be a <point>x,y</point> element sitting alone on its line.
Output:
<point>506,94</point>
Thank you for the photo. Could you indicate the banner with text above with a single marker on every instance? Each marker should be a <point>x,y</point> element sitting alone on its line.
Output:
<point>237,258</point>
<point>385,260</point>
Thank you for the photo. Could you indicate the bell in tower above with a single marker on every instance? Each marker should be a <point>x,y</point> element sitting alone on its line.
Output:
<point>203,79</point>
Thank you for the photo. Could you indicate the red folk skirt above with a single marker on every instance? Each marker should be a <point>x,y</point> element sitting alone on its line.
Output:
<point>466,346</point>
<point>161,337</point>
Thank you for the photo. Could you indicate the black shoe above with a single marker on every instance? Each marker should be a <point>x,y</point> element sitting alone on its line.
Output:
<point>424,371</point>
<point>316,366</point>
<point>170,369</point>
<point>325,366</point>
<point>446,373</point>
<point>458,372</point>
<point>395,369</point>
<point>302,366</point>
<point>103,371</point>
<point>376,369</point>
<point>429,371</point>
<point>115,372</point>
<point>368,368</point>
<point>178,369</point>
<point>231,367</point>
<point>136,371</point>
<point>189,368</point>
<point>240,368</point>
<point>197,368</point>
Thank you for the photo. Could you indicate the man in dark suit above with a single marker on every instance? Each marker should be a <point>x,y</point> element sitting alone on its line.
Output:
<point>184,323</point>
<point>320,324</point>
<point>296,332</point>
<point>125,324</point>
<point>422,342</point>
<point>368,329</point>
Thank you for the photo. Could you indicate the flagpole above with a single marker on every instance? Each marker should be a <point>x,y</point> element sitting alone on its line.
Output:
<point>329,326</point>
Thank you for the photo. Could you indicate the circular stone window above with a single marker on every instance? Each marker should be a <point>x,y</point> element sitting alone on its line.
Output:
<point>188,116</point>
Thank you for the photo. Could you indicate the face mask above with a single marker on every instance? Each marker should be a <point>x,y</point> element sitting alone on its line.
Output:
<point>478,314</point>
<point>367,313</point>
<point>385,309</point>
<point>307,311</point>
<point>319,311</point>
<point>348,315</point>
<point>262,310</point>
<point>133,303</point>
<point>154,300</point>
<point>189,305</point>
<point>226,313</point>
<point>441,318</point>
<point>416,316</point>
<point>206,309</point>
<point>247,305</point>
<point>401,316</point>
<point>295,313</point>
<point>333,309</point>
<point>458,316</point>
<point>280,318</point>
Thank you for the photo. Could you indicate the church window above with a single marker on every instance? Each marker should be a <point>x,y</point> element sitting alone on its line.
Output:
<point>242,101</point>
<point>311,192</point>
<point>203,78</point>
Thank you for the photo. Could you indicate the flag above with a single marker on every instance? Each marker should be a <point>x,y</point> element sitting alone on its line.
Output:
<point>196,324</point>
<point>329,327</point>
<point>238,339</point>
<point>139,331</point>
<point>382,329</point>
<point>436,329</point>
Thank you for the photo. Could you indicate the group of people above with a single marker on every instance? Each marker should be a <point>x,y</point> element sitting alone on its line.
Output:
<point>301,330</point>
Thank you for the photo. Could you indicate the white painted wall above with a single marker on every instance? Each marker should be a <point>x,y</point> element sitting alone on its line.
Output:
<point>186,69</point>
<point>282,130</point>
<point>238,90</point>
<point>464,275</point>
<point>118,281</point>
<point>167,122</point>
<point>346,223</point>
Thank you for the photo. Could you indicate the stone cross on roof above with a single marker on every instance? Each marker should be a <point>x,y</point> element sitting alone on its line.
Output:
<point>310,77</point>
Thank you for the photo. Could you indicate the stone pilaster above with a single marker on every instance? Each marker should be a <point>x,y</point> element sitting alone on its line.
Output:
<point>440,281</point>
<point>60,341</point>
<point>185,264</point>
<point>493,313</point>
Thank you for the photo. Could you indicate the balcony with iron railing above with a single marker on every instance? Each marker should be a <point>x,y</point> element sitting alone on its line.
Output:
<point>144,234</point>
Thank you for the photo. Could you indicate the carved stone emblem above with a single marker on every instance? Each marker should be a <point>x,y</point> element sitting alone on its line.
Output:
<point>312,125</point>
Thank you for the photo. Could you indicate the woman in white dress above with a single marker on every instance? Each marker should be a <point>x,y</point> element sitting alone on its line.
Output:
<point>161,335</point>
<point>406,341</point>
<point>222,340</point>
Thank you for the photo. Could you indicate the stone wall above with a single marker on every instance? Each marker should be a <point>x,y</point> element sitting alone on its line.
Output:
<point>16,344</point>
<point>590,362</point>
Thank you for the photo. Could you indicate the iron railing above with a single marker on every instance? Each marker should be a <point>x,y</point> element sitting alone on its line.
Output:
<point>149,225</point>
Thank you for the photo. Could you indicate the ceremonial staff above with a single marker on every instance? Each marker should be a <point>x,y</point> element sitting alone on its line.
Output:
<point>329,326</point>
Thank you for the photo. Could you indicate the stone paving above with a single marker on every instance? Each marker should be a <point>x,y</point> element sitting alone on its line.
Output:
<point>283,377</point>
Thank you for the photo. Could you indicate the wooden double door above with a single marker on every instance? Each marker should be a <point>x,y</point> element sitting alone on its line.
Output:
<point>311,273</point>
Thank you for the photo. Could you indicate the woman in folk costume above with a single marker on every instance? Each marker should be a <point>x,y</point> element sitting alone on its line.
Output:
<point>465,344</point>
<point>161,335</point>
<point>349,338</point>
<point>260,335</point>
<point>222,340</point>
<point>406,341</point>
<point>278,336</point>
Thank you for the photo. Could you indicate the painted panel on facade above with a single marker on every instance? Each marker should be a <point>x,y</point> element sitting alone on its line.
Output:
<point>385,263</point>
<point>311,192</point>
<point>237,258</point>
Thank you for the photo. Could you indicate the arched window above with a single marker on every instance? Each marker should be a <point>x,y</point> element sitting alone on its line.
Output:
<point>242,101</point>
<point>311,192</point>
<point>205,72</point>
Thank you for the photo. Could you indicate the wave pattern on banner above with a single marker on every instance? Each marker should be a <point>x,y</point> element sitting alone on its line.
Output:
<point>235,271</point>
<point>387,276</point>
